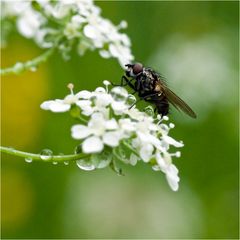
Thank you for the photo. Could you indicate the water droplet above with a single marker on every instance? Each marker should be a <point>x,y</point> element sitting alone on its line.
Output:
<point>65,162</point>
<point>54,163</point>
<point>100,90</point>
<point>85,165</point>
<point>149,111</point>
<point>18,67</point>
<point>33,69</point>
<point>101,160</point>
<point>28,160</point>
<point>119,94</point>
<point>131,100</point>
<point>46,154</point>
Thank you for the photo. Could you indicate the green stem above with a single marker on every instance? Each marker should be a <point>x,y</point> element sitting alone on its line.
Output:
<point>31,64</point>
<point>82,119</point>
<point>39,157</point>
<point>130,148</point>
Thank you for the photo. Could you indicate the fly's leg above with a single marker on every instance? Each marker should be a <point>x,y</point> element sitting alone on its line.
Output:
<point>124,82</point>
<point>144,98</point>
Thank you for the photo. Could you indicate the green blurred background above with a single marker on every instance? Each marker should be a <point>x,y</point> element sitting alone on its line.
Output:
<point>195,45</point>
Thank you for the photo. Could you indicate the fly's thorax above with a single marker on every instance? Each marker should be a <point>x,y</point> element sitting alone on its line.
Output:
<point>147,73</point>
<point>157,87</point>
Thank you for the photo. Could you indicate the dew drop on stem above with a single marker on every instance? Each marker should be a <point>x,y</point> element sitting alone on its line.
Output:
<point>46,154</point>
<point>119,94</point>
<point>85,165</point>
<point>149,111</point>
<point>131,100</point>
<point>28,160</point>
<point>33,69</point>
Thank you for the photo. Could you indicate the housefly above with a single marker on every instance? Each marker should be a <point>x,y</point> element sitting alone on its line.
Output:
<point>151,87</point>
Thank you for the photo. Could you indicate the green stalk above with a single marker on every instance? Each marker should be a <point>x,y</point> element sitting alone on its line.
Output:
<point>39,157</point>
<point>31,64</point>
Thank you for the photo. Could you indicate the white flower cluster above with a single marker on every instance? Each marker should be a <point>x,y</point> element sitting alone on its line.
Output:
<point>68,23</point>
<point>113,129</point>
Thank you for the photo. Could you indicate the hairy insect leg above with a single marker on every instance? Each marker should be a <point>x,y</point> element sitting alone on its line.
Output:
<point>133,92</point>
<point>144,98</point>
<point>127,82</point>
<point>148,96</point>
<point>124,82</point>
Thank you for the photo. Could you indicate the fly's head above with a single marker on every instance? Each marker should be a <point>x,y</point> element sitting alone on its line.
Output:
<point>134,70</point>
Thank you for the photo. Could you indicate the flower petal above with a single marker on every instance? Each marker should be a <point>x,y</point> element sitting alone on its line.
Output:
<point>90,31</point>
<point>55,106</point>
<point>172,177</point>
<point>119,107</point>
<point>45,105</point>
<point>127,125</point>
<point>92,145</point>
<point>111,139</point>
<point>172,141</point>
<point>83,103</point>
<point>133,159</point>
<point>146,152</point>
<point>104,54</point>
<point>161,163</point>
<point>111,124</point>
<point>80,131</point>
<point>84,94</point>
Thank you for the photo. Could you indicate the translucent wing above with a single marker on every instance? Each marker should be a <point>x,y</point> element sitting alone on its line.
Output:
<point>178,103</point>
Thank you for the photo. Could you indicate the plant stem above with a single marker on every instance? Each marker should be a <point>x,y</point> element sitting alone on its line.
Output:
<point>130,148</point>
<point>38,157</point>
<point>29,65</point>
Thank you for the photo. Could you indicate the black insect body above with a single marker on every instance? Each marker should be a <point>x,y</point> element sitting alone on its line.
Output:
<point>152,88</point>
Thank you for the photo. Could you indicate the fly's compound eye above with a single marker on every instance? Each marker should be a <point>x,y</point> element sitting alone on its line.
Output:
<point>137,68</point>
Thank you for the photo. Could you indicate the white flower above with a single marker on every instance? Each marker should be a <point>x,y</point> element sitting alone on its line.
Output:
<point>146,152</point>
<point>29,23</point>
<point>92,144</point>
<point>60,105</point>
<point>171,141</point>
<point>84,94</point>
<point>63,105</point>
<point>74,19</point>
<point>122,52</point>
<point>96,101</point>
<point>98,132</point>
<point>72,30</point>
<point>165,165</point>
<point>56,105</point>
<point>112,128</point>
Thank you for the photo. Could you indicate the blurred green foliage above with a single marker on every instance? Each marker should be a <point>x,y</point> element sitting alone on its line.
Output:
<point>47,201</point>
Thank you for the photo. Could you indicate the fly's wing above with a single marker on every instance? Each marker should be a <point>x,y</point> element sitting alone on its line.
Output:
<point>177,102</point>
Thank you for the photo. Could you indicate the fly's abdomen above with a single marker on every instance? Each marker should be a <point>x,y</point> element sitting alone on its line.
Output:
<point>161,103</point>
<point>162,107</point>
